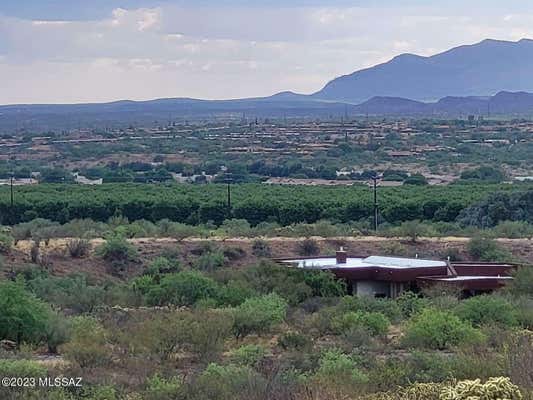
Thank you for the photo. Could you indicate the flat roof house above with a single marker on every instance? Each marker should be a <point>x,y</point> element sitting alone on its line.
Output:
<point>379,276</point>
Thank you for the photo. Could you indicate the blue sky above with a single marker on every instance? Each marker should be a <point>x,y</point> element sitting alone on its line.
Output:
<point>101,50</point>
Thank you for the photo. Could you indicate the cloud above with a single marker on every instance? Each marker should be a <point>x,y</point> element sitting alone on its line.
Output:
<point>225,52</point>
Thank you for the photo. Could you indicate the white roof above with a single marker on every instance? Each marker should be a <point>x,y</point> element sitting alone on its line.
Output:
<point>372,261</point>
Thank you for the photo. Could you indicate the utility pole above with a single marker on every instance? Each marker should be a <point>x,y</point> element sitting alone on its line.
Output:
<point>11,185</point>
<point>375,179</point>
<point>229,180</point>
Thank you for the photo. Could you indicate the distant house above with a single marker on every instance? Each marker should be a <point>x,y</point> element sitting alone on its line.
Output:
<point>86,181</point>
<point>379,276</point>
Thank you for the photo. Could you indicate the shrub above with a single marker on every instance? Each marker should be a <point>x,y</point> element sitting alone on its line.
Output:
<point>210,261</point>
<point>481,310</point>
<point>87,346</point>
<point>235,227</point>
<point>436,329</point>
<point>228,382</point>
<point>248,355</point>
<point>520,359</point>
<point>338,369</point>
<point>259,314</point>
<point>522,283</point>
<point>410,303</point>
<point>78,248</point>
<point>413,230</point>
<point>261,248</point>
<point>70,292</point>
<point>388,307</point>
<point>233,253</point>
<point>6,241</point>
<point>56,331</point>
<point>294,341</point>
<point>183,288</point>
<point>23,317</point>
<point>162,265</point>
<point>21,368</point>
<point>117,249</point>
<point>308,247</point>
<point>513,229</point>
<point>207,331</point>
<point>160,388</point>
<point>324,284</point>
<point>235,292</point>
<point>374,323</point>
<point>484,249</point>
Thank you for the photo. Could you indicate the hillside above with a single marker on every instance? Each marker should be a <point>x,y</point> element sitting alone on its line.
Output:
<point>480,69</point>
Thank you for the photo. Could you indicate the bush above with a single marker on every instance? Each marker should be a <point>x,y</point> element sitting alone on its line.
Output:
<point>233,253</point>
<point>162,265</point>
<point>6,241</point>
<point>374,323</point>
<point>78,248</point>
<point>207,331</point>
<point>410,304</point>
<point>261,248</point>
<point>440,330</point>
<point>21,368</point>
<point>513,230</point>
<point>87,346</point>
<point>210,261</point>
<point>338,369</point>
<point>388,307</point>
<point>23,317</point>
<point>484,249</point>
<point>56,332</point>
<point>308,247</point>
<point>248,355</point>
<point>117,249</point>
<point>522,284</point>
<point>73,292</point>
<point>160,388</point>
<point>324,284</point>
<point>228,382</point>
<point>259,314</point>
<point>481,310</point>
<point>413,230</point>
<point>235,292</point>
<point>294,341</point>
<point>182,289</point>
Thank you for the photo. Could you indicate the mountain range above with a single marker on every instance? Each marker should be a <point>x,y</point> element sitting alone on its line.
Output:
<point>480,69</point>
<point>490,77</point>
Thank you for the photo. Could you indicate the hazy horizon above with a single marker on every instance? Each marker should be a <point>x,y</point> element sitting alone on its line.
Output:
<point>141,50</point>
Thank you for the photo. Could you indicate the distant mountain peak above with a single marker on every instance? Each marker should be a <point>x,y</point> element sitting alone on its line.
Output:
<point>481,69</point>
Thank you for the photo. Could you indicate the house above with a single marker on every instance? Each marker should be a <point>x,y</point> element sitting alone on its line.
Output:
<point>379,276</point>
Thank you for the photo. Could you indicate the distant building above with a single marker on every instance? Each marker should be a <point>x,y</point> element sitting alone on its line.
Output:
<point>378,276</point>
<point>86,181</point>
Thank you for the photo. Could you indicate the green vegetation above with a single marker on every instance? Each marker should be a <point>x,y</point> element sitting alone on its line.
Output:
<point>286,205</point>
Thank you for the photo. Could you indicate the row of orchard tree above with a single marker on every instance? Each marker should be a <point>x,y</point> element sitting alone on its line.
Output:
<point>480,205</point>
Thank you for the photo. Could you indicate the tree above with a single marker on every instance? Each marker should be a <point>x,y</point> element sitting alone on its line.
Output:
<point>23,317</point>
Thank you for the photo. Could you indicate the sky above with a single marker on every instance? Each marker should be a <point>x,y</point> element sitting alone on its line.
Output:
<point>69,51</point>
